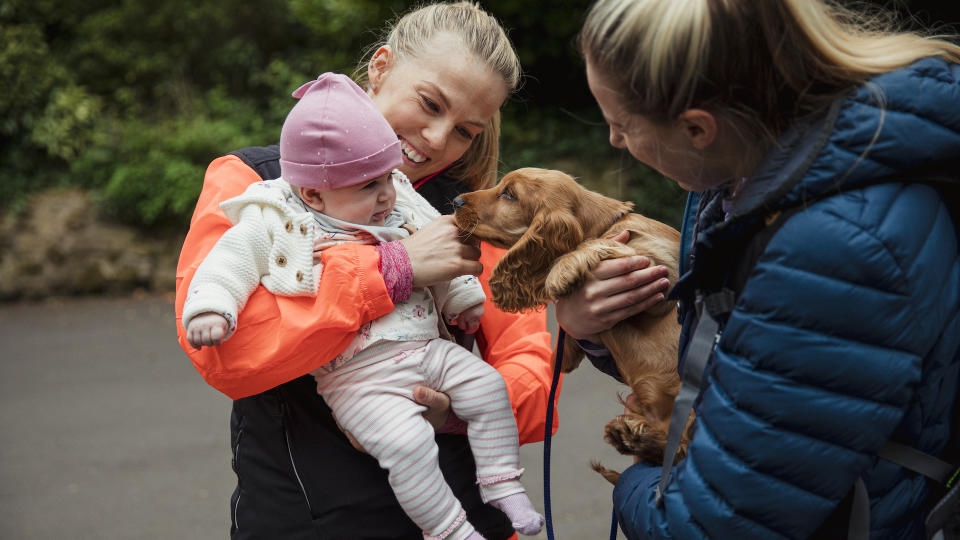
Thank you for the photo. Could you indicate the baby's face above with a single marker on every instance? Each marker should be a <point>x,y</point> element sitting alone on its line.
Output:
<point>366,203</point>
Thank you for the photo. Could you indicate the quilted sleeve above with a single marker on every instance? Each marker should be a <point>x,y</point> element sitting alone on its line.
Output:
<point>851,301</point>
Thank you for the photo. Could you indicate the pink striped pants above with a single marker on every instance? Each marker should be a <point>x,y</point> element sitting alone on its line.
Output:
<point>371,396</point>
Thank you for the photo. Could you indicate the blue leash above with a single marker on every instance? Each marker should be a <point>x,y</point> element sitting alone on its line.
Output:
<point>613,525</point>
<point>549,433</point>
<point>547,512</point>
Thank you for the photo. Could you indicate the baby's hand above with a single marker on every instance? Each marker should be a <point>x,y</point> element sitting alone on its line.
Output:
<point>469,320</point>
<point>207,329</point>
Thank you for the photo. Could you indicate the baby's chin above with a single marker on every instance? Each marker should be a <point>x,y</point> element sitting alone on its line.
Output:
<point>379,219</point>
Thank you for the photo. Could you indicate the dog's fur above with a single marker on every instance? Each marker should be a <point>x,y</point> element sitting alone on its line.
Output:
<point>555,232</point>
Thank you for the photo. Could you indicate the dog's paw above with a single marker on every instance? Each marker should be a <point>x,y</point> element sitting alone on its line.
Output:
<point>566,274</point>
<point>632,435</point>
<point>570,269</point>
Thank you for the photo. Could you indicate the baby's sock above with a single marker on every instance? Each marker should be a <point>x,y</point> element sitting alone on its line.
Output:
<point>475,536</point>
<point>525,518</point>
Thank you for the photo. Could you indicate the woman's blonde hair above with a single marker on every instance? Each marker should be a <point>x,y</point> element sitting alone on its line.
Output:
<point>413,33</point>
<point>759,64</point>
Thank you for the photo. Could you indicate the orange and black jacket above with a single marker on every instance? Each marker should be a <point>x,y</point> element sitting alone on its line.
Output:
<point>288,455</point>
<point>281,338</point>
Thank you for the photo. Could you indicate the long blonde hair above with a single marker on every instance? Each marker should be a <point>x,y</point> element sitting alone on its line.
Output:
<point>759,64</point>
<point>412,34</point>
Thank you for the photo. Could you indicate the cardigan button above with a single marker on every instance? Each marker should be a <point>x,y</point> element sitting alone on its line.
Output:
<point>281,260</point>
<point>303,228</point>
<point>288,226</point>
<point>299,275</point>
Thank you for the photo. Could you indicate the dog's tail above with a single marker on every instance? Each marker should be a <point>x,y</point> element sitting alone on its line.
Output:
<point>611,475</point>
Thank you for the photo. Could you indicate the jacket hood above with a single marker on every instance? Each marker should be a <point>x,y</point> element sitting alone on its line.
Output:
<point>899,120</point>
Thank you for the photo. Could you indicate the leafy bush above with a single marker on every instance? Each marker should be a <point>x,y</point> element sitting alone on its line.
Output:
<point>133,99</point>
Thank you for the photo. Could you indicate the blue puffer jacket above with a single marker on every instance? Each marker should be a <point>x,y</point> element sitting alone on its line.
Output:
<point>846,335</point>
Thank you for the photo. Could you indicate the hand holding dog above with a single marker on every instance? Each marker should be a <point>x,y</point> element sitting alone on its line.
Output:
<point>615,290</point>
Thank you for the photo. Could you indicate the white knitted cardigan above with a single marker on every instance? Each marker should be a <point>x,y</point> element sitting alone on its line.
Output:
<point>272,242</point>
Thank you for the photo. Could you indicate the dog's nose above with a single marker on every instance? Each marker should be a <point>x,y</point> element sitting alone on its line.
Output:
<point>458,202</point>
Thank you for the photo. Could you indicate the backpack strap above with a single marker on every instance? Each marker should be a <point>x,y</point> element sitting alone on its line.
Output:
<point>945,516</point>
<point>265,160</point>
<point>706,332</point>
<point>941,472</point>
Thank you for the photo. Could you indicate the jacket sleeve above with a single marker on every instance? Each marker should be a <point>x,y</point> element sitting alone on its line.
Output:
<point>231,271</point>
<point>458,295</point>
<point>278,338</point>
<point>817,366</point>
<point>518,345</point>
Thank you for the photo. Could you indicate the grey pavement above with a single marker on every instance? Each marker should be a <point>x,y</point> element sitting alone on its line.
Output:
<point>108,432</point>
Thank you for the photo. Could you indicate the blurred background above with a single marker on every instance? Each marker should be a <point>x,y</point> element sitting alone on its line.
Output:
<point>118,107</point>
<point>110,110</point>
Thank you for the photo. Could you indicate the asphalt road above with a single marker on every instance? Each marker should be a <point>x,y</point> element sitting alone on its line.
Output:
<point>108,432</point>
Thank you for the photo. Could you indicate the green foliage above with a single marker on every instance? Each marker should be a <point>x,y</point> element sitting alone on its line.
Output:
<point>65,127</point>
<point>132,98</point>
<point>149,172</point>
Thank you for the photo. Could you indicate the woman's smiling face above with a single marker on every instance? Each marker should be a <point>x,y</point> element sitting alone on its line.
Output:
<point>437,102</point>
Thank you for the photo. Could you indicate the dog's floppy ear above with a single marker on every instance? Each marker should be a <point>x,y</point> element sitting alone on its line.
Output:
<point>517,280</point>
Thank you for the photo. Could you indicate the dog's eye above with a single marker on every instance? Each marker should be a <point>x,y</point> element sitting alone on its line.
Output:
<point>507,194</point>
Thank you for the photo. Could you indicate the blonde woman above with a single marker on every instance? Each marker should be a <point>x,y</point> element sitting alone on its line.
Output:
<point>846,334</point>
<point>439,77</point>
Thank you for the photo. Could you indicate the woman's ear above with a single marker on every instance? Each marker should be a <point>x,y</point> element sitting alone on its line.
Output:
<point>378,66</point>
<point>699,126</point>
<point>312,197</point>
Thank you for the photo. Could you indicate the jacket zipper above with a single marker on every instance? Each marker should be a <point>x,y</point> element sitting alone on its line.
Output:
<point>236,469</point>
<point>293,463</point>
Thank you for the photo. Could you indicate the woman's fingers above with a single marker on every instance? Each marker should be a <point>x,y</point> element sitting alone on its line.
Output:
<point>437,404</point>
<point>635,291</point>
<point>622,236</point>
<point>437,253</point>
<point>612,268</point>
<point>617,289</point>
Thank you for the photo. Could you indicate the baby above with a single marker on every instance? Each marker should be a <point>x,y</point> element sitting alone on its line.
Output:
<point>338,184</point>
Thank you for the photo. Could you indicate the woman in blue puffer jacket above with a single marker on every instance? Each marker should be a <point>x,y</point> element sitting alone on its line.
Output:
<point>846,334</point>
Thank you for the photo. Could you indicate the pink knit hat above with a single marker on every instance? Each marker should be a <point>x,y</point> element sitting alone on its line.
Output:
<point>335,136</point>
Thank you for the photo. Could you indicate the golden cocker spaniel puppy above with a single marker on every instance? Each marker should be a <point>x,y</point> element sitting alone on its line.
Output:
<point>555,231</point>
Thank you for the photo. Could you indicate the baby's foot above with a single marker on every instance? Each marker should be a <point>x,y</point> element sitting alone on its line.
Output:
<point>525,519</point>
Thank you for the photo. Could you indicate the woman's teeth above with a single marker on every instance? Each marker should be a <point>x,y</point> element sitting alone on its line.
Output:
<point>412,154</point>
